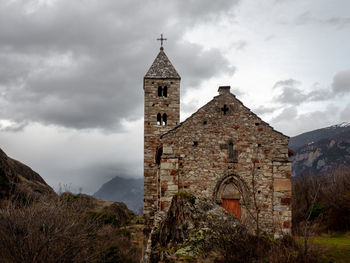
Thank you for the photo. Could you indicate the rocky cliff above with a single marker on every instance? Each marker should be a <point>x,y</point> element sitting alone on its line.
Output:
<point>18,180</point>
<point>322,150</point>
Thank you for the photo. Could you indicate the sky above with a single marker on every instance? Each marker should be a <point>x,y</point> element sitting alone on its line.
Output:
<point>71,74</point>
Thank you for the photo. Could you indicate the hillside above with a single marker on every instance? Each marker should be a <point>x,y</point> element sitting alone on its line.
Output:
<point>126,190</point>
<point>71,228</point>
<point>321,151</point>
<point>310,137</point>
<point>18,180</point>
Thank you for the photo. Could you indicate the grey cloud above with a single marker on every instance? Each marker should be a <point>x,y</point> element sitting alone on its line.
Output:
<point>236,91</point>
<point>269,37</point>
<point>204,8</point>
<point>206,64</point>
<point>264,110</point>
<point>341,82</point>
<point>81,65</point>
<point>292,94</point>
<point>16,127</point>
<point>337,22</point>
<point>304,18</point>
<point>189,107</point>
<point>293,123</point>
<point>239,45</point>
<point>286,83</point>
<point>289,113</point>
<point>345,114</point>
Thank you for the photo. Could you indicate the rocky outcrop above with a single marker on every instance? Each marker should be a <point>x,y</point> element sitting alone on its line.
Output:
<point>323,156</point>
<point>18,180</point>
<point>197,230</point>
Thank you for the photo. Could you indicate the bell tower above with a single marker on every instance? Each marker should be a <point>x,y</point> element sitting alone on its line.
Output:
<point>161,87</point>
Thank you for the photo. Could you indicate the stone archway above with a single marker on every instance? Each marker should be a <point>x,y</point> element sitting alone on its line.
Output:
<point>231,193</point>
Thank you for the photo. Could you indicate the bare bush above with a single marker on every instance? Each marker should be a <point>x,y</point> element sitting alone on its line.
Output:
<point>61,230</point>
<point>330,210</point>
<point>335,196</point>
<point>235,244</point>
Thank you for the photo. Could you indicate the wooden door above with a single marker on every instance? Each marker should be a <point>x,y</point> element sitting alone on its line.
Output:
<point>232,206</point>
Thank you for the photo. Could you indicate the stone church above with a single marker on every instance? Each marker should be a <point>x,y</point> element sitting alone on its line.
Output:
<point>223,151</point>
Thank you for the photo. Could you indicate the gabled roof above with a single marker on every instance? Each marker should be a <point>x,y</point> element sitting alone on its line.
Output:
<point>162,68</point>
<point>206,105</point>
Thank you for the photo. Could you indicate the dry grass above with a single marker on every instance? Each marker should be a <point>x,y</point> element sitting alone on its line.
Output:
<point>68,228</point>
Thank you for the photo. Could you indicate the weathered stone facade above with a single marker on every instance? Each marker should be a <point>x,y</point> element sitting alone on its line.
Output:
<point>223,151</point>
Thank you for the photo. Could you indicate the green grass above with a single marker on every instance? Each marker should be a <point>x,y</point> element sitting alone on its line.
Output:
<point>335,247</point>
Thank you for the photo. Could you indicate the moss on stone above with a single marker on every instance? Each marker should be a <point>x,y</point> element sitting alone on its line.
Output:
<point>187,195</point>
<point>186,251</point>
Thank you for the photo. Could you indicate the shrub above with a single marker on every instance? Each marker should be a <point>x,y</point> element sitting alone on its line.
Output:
<point>110,255</point>
<point>104,218</point>
<point>332,192</point>
<point>187,195</point>
<point>62,229</point>
<point>314,211</point>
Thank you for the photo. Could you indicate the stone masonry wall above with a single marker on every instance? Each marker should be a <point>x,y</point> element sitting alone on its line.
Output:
<point>196,158</point>
<point>153,105</point>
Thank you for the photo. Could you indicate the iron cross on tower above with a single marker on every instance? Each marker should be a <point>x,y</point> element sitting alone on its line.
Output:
<point>161,41</point>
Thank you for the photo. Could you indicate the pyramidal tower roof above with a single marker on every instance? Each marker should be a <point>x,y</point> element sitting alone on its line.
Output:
<point>162,68</point>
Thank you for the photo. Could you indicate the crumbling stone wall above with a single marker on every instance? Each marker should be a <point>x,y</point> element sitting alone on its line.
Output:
<point>196,158</point>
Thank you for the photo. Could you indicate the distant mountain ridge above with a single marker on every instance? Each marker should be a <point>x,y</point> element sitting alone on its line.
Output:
<point>121,189</point>
<point>313,136</point>
<point>321,150</point>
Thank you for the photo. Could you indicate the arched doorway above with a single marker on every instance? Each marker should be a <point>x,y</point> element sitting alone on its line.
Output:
<point>231,199</point>
<point>231,194</point>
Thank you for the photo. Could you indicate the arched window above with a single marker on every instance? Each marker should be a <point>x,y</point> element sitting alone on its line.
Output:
<point>160,91</point>
<point>164,119</point>
<point>165,91</point>
<point>159,119</point>
<point>230,150</point>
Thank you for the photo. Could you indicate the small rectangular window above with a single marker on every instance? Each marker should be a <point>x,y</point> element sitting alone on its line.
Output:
<point>230,150</point>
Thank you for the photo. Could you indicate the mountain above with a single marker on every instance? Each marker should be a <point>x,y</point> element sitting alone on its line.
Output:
<point>313,136</point>
<point>126,190</point>
<point>321,150</point>
<point>18,180</point>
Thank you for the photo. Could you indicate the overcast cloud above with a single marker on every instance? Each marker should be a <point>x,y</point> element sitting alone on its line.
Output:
<point>71,73</point>
<point>80,64</point>
<point>341,82</point>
